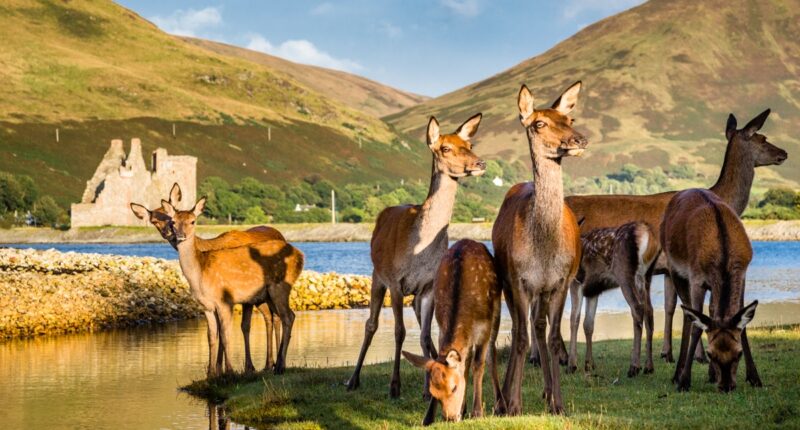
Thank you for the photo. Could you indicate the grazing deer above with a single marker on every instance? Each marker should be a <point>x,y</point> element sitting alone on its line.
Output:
<point>250,274</point>
<point>618,257</point>
<point>409,241</point>
<point>232,239</point>
<point>467,297</point>
<point>707,249</point>
<point>745,151</point>
<point>537,244</point>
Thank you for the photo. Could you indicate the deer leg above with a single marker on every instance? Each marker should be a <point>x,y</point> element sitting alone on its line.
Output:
<point>377,294</point>
<point>518,304</point>
<point>467,366</point>
<point>220,348</point>
<point>628,287</point>
<point>699,351</point>
<point>430,414</point>
<point>670,302</point>
<point>648,324</point>
<point>225,315</point>
<point>588,331</point>
<point>697,296</point>
<point>752,372</point>
<point>576,301</point>
<point>534,357</point>
<point>478,368</point>
<point>213,343</point>
<point>425,340</point>
<point>499,402</point>
<point>279,294</point>
<point>681,287</point>
<point>399,337</point>
<point>247,314</point>
<point>555,342</point>
<point>266,312</point>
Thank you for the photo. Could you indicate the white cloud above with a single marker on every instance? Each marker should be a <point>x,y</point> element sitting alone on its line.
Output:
<point>391,30</point>
<point>573,8</point>
<point>301,51</point>
<point>466,8</point>
<point>322,9</point>
<point>189,22</point>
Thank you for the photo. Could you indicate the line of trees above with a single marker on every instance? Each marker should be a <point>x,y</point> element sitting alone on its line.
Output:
<point>21,203</point>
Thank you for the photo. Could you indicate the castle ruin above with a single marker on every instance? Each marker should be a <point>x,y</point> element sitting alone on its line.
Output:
<point>120,180</point>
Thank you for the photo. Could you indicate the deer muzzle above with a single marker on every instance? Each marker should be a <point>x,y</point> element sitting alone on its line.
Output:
<point>477,168</point>
<point>574,146</point>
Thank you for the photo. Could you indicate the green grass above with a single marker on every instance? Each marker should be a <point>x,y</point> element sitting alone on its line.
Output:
<point>316,398</point>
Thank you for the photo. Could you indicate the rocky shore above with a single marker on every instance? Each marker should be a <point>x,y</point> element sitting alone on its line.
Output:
<point>50,292</point>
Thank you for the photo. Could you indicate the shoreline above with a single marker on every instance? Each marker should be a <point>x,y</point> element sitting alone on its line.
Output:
<point>757,230</point>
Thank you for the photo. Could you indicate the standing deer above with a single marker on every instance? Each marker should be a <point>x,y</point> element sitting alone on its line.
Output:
<point>707,249</point>
<point>618,257</point>
<point>467,297</point>
<point>745,151</point>
<point>409,241</point>
<point>250,274</point>
<point>232,239</point>
<point>537,244</point>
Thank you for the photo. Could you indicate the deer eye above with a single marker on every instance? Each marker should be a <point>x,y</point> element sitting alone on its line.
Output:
<point>540,124</point>
<point>192,222</point>
<point>445,149</point>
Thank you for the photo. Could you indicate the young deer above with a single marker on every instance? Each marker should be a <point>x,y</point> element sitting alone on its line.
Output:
<point>618,257</point>
<point>232,239</point>
<point>707,249</point>
<point>409,241</point>
<point>537,244</point>
<point>745,151</point>
<point>467,297</point>
<point>250,274</point>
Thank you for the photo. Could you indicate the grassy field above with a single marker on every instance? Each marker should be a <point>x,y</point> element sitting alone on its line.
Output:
<point>316,398</point>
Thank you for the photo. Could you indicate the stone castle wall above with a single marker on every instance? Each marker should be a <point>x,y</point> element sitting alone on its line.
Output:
<point>120,181</point>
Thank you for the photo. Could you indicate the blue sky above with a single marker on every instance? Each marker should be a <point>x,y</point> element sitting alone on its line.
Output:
<point>427,47</point>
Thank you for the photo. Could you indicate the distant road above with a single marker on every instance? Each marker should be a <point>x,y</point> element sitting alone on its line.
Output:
<point>322,232</point>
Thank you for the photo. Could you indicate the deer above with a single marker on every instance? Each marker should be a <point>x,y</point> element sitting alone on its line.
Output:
<point>409,241</point>
<point>161,221</point>
<point>537,244</point>
<point>467,297</point>
<point>746,150</point>
<point>707,249</point>
<point>617,257</point>
<point>250,274</point>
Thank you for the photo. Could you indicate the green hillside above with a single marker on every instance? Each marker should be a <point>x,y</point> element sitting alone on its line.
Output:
<point>98,71</point>
<point>659,82</point>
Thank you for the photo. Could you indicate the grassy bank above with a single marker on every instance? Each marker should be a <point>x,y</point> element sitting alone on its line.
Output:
<point>316,398</point>
<point>321,232</point>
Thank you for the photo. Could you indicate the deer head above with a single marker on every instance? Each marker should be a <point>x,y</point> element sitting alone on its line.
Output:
<point>761,151</point>
<point>724,342</point>
<point>448,384</point>
<point>550,131</point>
<point>452,153</point>
<point>158,217</point>
<point>183,222</point>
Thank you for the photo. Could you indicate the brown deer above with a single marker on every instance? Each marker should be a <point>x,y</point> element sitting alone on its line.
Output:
<point>232,239</point>
<point>250,274</point>
<point>537,244</point>
<point>745,151</point>
<point>707,249</point>
<point>467,297</point>
<point>618,257</point>
<point>409,241</point>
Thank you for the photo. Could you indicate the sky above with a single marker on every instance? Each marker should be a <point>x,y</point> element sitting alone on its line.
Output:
<point>427,47</point>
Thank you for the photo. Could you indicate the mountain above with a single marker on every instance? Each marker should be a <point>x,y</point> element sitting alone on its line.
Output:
<point>659,82</point>
<point>94,71</point>
<point>351,90</point>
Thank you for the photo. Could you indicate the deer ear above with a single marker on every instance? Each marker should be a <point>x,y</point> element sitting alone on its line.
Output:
<point>568,100</point>
<point>730,127</point>
<point>525,103</point>
<point>470,127</point>
<point>697,318</point>
<point>745,315</point>
<point>756,123</point>
<point>417,360</point>
<point>175,194</point>
<point>168,208</point>
<point>433,131</point>
<point>199,206</point>
<point>140,211</point>
<point>453,358</point>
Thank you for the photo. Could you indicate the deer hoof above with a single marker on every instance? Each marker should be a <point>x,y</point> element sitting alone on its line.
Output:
<point>279,369</point>
<point>426,397</point>
<point>557,409</point>
<point>701,359</point>
<point>572,368</point>
<point>755,381</point>
<point>352,384</point>
<point>535,361</point>
<point>683,385</point>
<point>588,367</point>
<point>667,356</point>
<point>394,389</point>
<point>633,371</point>
<point>648,369</point>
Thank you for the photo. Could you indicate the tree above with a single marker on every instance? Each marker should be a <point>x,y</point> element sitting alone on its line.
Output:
<point>12,194</point>
<point>46,211</point>
<point>255,215</point>
<point>779,197</point>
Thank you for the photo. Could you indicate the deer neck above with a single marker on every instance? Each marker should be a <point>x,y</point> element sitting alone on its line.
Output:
<point>546,206</point>
<point>736,177</point>
<point>437,209</point>
<point>189,260</point>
